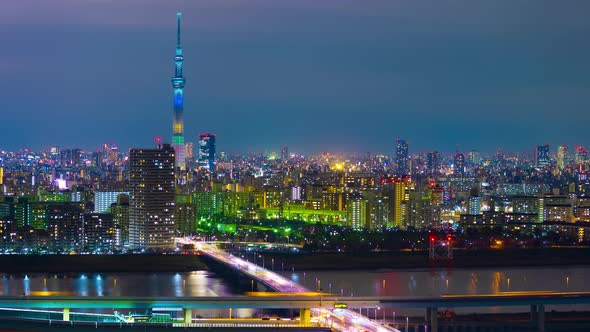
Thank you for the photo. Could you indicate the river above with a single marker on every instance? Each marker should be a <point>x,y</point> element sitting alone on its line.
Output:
<point>344,283</point>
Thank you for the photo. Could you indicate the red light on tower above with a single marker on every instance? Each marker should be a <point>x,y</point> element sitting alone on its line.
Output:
<point>432,238</point>
<point>158,139</point>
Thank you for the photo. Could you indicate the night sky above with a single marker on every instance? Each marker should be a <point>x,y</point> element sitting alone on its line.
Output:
<point>315,75</point>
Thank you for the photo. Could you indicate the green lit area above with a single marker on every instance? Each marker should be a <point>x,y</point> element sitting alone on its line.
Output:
<point>308,215</point>
<point>50,197</point>
<point>226,228</point>
<point>178,140</point>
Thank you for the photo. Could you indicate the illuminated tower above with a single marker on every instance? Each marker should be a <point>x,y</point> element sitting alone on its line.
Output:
<point>178,88</point>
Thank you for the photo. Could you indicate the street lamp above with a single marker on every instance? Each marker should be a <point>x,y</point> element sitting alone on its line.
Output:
<point>272,264</point>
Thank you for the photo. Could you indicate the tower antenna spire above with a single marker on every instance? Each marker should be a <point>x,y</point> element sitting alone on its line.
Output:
<point>178,17</point>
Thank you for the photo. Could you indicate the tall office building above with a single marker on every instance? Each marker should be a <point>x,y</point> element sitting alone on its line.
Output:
<point>401,157</point>
<point>207,151</point>
<point>151,201</point>
<point>459,165</point>
<point>561,156</point>
<point>178,88</point>
<point>433,162</point>
<point>542,155</point>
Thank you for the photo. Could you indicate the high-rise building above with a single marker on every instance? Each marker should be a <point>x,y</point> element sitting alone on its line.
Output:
<point>99,232</point>
<point>542,155</point>
<point>396,195</point>
<point>284,153</point>
<point>581,154</point>
<point>433,162</point>
<point>189,146</point>
<point>561,157</point>
<point>207,151</point>
<point>474,203</point>
<point>120,212</point>
<point>500,158</point>
<point>459,165</point>
<point>357,213</point>
<point>178,88</point>
<point>152,194</point>
<point>474,158</point>
<point>186,217</point>
<point>401,157</point>
<point>65,227</point>
<point>111,154</point>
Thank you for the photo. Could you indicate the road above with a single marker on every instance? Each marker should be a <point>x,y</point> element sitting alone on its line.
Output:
<point>337,319</point>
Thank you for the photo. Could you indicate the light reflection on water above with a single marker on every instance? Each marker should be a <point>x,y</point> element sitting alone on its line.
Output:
<point>196,283</point>
<point>342,283</point>
<point>454,281</point>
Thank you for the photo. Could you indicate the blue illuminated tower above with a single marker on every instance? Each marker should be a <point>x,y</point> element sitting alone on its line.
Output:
<point>178,87</point>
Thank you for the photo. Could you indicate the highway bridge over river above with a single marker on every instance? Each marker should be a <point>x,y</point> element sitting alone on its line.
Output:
<point>330,311</point>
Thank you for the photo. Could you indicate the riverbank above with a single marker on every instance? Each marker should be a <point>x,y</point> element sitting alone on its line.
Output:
<point>308,261</point>
<point>419,259</point>
<point>100,263</point>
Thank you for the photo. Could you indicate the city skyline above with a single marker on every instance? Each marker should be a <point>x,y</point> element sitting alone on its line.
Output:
<point>257,76</point>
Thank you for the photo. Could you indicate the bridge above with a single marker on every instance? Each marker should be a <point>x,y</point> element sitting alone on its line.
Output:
<point>332,311</point>
<point>536,300</point>
<point>342,320</point>
<point>337,319</point>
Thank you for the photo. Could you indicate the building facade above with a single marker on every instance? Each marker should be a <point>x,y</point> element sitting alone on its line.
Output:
<point>152,198</point>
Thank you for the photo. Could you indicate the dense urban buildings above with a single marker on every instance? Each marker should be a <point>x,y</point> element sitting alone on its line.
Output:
<point>116,201</point>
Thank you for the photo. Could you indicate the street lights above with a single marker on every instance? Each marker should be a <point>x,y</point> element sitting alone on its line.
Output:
<point>272,264</point>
